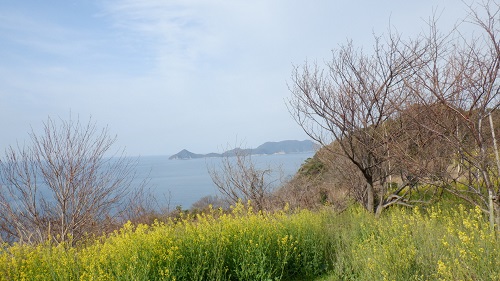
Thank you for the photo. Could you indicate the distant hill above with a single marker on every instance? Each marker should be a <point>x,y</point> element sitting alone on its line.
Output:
<point>288,146</point>
<point>185,154</point>
<point>268,148</point>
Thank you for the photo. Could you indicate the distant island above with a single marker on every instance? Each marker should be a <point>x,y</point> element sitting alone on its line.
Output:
<point>268,148</point>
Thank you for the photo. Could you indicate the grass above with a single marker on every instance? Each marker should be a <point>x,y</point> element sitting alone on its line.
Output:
<point>436,243</point>
<point>432,244</point>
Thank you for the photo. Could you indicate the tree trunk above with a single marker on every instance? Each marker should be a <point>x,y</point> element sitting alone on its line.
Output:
<point>370,198</point>
<point>490,191</point>
<point>491,209</point>
<point>495,147</point>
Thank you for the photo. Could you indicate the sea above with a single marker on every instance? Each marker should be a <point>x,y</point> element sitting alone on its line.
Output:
<point>181,183</point>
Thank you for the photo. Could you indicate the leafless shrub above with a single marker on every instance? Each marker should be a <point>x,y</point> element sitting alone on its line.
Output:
<point>62,185</point>
<point>210,200</point>
<point>238,178</point>
<point>460,81</point>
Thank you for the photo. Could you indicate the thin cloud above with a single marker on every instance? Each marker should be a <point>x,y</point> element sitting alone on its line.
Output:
<point>172,74</point>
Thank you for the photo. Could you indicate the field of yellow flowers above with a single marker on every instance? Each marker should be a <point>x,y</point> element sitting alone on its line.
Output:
<point>404,244</point>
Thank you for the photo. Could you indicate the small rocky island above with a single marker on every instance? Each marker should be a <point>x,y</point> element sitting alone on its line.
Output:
<point>268,148</point>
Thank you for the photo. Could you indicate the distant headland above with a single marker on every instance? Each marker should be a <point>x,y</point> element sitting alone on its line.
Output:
<point>268,148</point>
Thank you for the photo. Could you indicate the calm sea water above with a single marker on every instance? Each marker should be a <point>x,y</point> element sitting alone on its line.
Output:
<point>183,182</point>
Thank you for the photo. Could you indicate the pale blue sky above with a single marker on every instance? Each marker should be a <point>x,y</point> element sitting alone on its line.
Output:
<point>171,74</point>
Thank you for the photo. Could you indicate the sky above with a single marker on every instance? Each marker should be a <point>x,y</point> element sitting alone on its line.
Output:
<point>167,75</point>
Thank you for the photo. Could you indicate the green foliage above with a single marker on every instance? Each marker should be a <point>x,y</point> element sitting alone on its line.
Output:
<point>312,166</point>
<point>436,243</point>
<point>242,245</point>
<point>414,244</point>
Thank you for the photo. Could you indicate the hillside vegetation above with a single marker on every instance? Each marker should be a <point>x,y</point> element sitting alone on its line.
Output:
<point>418,110</point>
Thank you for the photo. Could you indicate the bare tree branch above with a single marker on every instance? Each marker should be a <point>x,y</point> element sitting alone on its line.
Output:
<point>238,178</point>
<point>62,185</point>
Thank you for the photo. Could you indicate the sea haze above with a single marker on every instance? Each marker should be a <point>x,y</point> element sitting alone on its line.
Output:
<point>182,182</point>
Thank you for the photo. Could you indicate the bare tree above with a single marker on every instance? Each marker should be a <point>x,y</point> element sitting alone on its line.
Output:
<point>62,185</point>
<point>351,103</point>
<point>238,178</point>
<point>460,81</point>
<point>210,201</point>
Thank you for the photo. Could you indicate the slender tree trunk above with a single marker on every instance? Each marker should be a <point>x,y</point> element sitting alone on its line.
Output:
<point>482,168</point>
<point>490,192</point>
<point>491,209</point>
<point>492,127</point>
<point>380,208</point>
<point>459,165</point>
<point>383,191</point>
<point>370,198</point>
